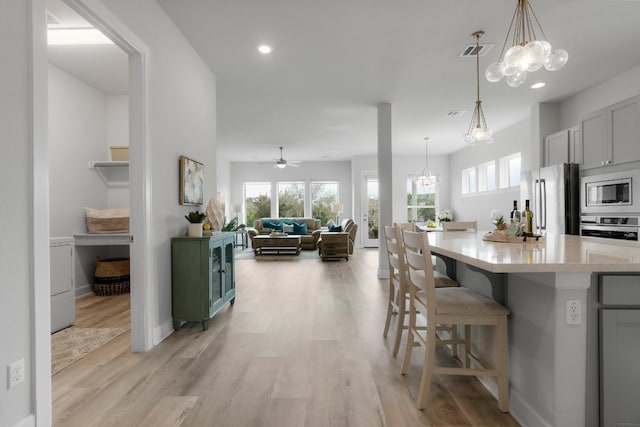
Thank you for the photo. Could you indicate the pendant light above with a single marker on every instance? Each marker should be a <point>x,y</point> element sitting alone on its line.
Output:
<point>528,52</point>
<point>427,177</point>
<point>478,130</point>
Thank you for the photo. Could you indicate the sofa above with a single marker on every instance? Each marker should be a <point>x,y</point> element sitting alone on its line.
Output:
<point>308,239</point>
<point>346,226</point>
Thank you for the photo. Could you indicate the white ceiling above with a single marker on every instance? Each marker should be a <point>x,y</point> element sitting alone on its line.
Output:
<point>335,60</point>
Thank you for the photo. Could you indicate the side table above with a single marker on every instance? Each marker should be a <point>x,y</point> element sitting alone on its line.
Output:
<point>244,238</point>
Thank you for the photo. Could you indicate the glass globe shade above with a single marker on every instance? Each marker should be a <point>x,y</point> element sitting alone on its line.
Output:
<point>512,57</point>
<point>532,56</point>
<point>534,66</point>
<point>517,79</point>
<point>546,48</point>
<point>507,70</point>
<point>557,59</point>
<point>494,73</point>
<point>479,134</point>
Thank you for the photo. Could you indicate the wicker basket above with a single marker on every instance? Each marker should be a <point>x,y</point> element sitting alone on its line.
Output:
<point>111,276</point>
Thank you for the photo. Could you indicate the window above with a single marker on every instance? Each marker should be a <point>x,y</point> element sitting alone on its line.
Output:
<point>291,199</point>
<point>469,180</point>
<point>421,201</point>
<point>510,171</point>
<point>487,176</point>
<point>323,195</point>
<point>257,201</point>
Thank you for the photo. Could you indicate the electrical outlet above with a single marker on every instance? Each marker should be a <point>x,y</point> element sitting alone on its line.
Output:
<point>15,373</point>
<point>574,312</point>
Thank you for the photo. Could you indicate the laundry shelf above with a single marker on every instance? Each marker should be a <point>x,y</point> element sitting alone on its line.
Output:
<point>112,173</point>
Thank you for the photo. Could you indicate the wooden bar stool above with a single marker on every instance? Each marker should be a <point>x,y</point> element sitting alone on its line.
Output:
<point>460,226</point>
<point>450,306</point>
<point>399,281</point>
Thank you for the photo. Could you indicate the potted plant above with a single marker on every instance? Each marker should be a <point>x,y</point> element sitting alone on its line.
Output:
<point>195,219</point>
<point>232,225</point>
<point>445,215</point>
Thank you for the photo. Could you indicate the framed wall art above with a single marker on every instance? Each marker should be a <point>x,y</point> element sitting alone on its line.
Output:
<point>191,182</point>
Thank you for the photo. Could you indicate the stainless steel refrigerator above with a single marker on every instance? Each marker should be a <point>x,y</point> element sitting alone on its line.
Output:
<point>554,197</point>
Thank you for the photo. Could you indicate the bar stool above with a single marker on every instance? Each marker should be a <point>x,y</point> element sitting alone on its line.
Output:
<point>399,281</point>
<point>460,226</point>
<point>452,306</point>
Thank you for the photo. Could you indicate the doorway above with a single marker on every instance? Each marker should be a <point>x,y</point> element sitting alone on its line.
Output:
<point>142,296</point>
<point>88,100</point>
<point>371,218</point>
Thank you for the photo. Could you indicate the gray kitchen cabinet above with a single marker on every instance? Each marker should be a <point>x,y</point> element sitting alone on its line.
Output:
<point>611,135</point>
<point>63,292</point>
<point>562,147</point>
<point>619,350</point>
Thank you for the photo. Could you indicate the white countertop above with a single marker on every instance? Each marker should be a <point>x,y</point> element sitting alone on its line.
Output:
<point>556,253</point>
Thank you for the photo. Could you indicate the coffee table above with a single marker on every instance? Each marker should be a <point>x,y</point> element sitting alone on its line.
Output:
<point>276,245</point>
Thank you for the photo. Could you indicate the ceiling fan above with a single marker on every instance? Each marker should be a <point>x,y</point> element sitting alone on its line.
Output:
<point>282,163</point>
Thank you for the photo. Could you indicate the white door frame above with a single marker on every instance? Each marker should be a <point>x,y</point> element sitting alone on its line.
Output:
<point>142,294</point>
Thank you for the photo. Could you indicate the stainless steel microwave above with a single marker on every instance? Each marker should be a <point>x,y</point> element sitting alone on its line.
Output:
<point>614,192</point>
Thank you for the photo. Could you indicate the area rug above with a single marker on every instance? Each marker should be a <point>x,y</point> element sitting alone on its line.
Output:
<point>248,254</point>
<point>72,344</point>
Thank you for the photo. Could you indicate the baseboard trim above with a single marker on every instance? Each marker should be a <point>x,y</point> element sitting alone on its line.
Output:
<point>162,331</point>
<point>524,413</point>
<point>83,290</point>
<point>30,421</point>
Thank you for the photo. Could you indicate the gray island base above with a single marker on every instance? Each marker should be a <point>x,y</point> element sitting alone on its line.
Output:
<point>554,364</point>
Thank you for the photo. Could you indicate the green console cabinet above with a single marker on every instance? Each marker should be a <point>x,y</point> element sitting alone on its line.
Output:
<point>202,277</point>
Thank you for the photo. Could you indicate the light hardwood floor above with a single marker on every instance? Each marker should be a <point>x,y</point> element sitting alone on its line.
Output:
<point>302,346</point>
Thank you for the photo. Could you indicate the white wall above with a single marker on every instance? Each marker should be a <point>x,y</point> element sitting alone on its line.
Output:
<point>182,121</point>
<point>478,206</point>
<point>223,177</point>
<point>611,91</point>
<point>117,120</point>
<point>16,215</point>
<point>77,135</point>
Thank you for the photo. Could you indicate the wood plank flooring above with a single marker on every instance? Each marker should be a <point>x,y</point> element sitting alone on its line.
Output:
<point>302,346</point>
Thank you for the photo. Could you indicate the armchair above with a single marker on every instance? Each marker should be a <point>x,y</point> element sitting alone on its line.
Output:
<point>347,227</point>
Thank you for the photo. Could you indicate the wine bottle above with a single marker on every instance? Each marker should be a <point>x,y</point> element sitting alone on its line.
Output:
<point>515,215</point>
<point>528,215</point>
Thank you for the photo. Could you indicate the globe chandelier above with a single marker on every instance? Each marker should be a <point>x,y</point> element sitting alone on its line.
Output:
<point>527,53</point>
<point>478,130</point>
<point>427,177</point>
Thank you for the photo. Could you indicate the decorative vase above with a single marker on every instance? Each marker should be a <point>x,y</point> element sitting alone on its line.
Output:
<point>195,230</point>
<point>215,214</point>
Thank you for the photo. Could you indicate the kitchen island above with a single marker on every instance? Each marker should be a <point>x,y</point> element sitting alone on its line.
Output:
<point>553,365</point>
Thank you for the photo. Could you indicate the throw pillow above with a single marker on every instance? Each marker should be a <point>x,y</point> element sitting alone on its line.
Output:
<point>337,228</point>
<point>300,229</point>
<point>287,228</point>
<point>272,225</point>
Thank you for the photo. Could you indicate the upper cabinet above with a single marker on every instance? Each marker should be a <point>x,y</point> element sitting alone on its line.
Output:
<point>562,147</point>
<point>611,135</point>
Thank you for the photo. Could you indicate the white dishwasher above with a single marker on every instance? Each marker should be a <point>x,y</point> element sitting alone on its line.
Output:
<point>620,350</point>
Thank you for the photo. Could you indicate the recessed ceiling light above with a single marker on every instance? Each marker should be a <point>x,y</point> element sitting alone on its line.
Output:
<point>76,36</point>
<point>264,49</point>
<point>538,85</point>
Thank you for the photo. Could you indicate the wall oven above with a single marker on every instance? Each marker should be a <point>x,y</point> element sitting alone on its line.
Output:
<point>616,192</point>
<point>611,227</point>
